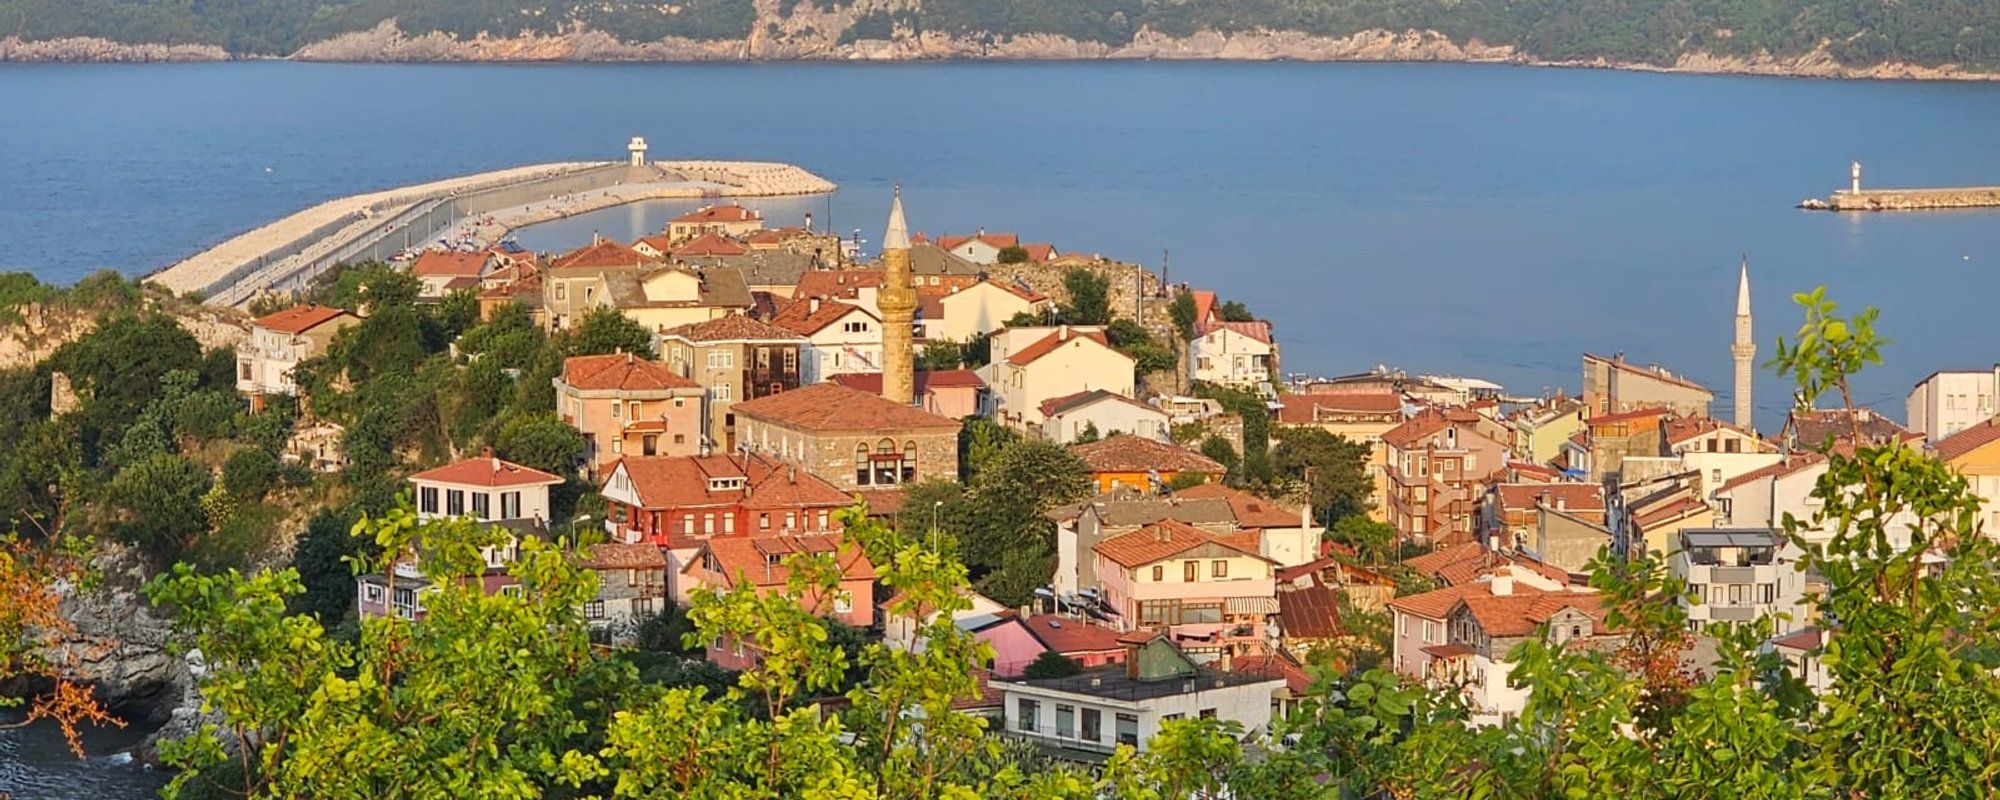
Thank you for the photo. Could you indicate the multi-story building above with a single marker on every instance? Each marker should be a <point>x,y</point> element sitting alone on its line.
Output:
<point>734,358</point>
<point>1613,385</point>
<point>1736,575</point>
<point>839,338</point>
<point>1102,412</point>
<point>1717,452</point>
<point>1080,527</point>
<point>1097,710</point>
<point>654,295</point>
<point>1358,416</point>
<point>1460,636</point>
<point>853,439</point>
<point>986,307</point>
<point>1239,354</point>
<point>1539,432</point>
<point>1437,465</point>
<point>441,272</point>
<point>723,564</point>
<point>1216,590</point>
<point>1613,437</point>
<point>728,219</point>
<point>952,393</point>
<point>1949,401</point>
<point>1511,512</point>
<point>631,586</point>
<point>1033,365</point>
<point>487,491</point>
<point>1974,452</point>
<point>627,405</point>
<point>278,342</point>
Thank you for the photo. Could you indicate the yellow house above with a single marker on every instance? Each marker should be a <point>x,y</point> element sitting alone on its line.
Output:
<point>658,297</point>
<point>1539,432</point>
<point>1975,453</point>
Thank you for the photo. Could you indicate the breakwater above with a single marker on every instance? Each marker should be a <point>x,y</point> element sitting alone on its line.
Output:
<point>1908,199</point>
<point>285,255</point>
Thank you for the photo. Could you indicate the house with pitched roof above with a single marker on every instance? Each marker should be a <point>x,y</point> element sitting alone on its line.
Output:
<point>1033,365</point>
<point>1539,431</point>
<point>952,393</point>
<point>631,586</point>
<point>733,358</point>
<point>1948,401</point>
<point>1082,641</point>
<point>485,490</point>
<point>1613,385</point>
<point>1358,416</point>
<point>1461,635</point>
<point>676,503</point>
<point>655,295</point>
<point>1105,413</point>
<point>985,307</point>
<point>1239,354</point>
<point>980,248</point>
<point>1974,452</point>
<point>624,404</point>
<point>1287,533</point>
<point>1080,526</point>
<point>839,338</point>
<point>728,219</point>
<point>1146,465</point>
<point>934,272</point>
<point>1510,512</point>
<point>1812,429</point>
<point>278,342</point>
<point>1215,593</point>
<point>710,245</point>
<point>1092,713</point>
<point>855,440</point>
<point>764,563</point>
<point>441,272</point>
<point>1437,464</point>
<point>1614,437</point>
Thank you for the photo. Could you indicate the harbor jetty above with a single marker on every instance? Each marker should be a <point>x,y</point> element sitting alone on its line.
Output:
<point>1855,198</point>
<point>286,255</point>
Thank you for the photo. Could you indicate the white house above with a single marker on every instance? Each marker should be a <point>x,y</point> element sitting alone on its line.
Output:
<point>1033,365</point>
<point>1233,354</point>
<point>1741,575</point>
<point>1949,401</point>
<point>278,342</point>
<point>485,489</point>
<point>1095,711</point>
<point>441,272</point>
<point>985,307</point>
<point>1066,418</point>
<point>840,339</point>
<point>1715,451</point>
<point>1460,636</point>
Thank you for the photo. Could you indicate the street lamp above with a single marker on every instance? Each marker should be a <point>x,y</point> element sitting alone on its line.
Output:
<point>936,506</point>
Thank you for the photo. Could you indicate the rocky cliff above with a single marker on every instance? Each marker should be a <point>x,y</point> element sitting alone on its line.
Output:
<point>93,49</point>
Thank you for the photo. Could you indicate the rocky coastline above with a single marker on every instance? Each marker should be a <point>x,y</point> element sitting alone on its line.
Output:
<point>814,37</point>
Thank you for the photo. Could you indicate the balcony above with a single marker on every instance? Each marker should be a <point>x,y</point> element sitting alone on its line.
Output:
<point>1744,613</point>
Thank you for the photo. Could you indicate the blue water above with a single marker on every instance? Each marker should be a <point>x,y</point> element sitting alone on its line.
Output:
<point>1486,220</point>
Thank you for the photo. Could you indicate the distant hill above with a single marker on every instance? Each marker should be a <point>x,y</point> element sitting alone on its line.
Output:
<point>1787,35</point>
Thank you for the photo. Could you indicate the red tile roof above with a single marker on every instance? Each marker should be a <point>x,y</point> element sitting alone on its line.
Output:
<point>604,253</point>
<point>1808,638</point>
<point>1069,636</point>
<point>1276,665</point>
<point>615,555</point>
<point>1572,497</point>
<point>1251,511</point>
<point>662,482</point>
<point>1161,540</point>
<point>811,316</point>
<point>450,263</point>
<point>835,408</point>
<point>710,244</point>
<point>871,382</point>
<point>1039,252</point>
<point>621,372</point>
<point>1306,409</point>
<point>734,327</point>
<point>749,558</point>
<point>1126,453</point>
<point>1056,405</point>
<point>1028,355</point>
<point>487,471</point>
<point>1464,563</point>
<point>837,282</point>
<point>1519,614</point>
<point>718,213</point>
<point>659,243</point>
<point>1968,440</point>
<point>299,319</point>
<point>997,240</point>
<point>1204,305</point>
<point>1255,329</point>
<point>1784,466</point>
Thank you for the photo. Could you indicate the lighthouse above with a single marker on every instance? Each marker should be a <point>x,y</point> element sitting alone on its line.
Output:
<point>1854,178</point>
<point>637,149</point>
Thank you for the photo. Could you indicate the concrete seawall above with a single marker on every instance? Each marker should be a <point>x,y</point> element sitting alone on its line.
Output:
<point>1909,199</point>
<point>287,254</point>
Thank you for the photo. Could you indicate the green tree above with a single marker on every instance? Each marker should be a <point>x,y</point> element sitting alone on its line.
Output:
<point>1333,468</point>
<point>1373,542</point>
<point>604,330</point>
<point>1013,254</point>
<point>324,561</point>
<point>1089,298</point>
<point>158,502</point>
<point>1182,312</point>
<point>540,441</point>
<point>1051,664</point>
<point>249,473</point>
<point>941,354</point>
<point>1234,311</point>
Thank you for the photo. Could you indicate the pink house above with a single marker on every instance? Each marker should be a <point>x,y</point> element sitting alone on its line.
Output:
<point>723,563</point>
<point>627,405</point>
<point>952,393</point>
<point>1209,591</point>
<point>1014,647</point>
<point>1081,641</point>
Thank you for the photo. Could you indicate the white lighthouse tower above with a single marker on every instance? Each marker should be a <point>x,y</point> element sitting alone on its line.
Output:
<point>637,149</point>
<point>1854,178</point>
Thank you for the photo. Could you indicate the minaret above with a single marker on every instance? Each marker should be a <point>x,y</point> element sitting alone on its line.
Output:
<point>1744,351</point>
<point>898,302</point>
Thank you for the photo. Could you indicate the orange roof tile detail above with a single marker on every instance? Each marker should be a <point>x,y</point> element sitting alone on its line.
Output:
<point>1126,453</point>
<point>832,407</point>
<point>621,372</point>
<point>487,471</point>
<point>299,319</point>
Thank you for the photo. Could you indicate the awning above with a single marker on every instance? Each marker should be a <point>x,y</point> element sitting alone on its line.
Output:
<point>1250,605</point>
<point>1448,651</point>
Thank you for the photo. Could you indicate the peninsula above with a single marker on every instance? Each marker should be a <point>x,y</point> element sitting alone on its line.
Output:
<point>287,254</point>
<point>1927,39</point>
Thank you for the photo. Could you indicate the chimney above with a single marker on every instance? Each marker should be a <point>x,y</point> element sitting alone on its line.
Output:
<point>1503,581</point>
<point>812,305</point>
<point>628,359</point>
<point>1062,333</point>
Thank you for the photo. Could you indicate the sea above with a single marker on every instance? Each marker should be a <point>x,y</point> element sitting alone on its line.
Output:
<point>1484,221</point>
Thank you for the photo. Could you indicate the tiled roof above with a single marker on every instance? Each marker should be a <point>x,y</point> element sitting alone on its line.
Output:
<point>734,327</point>
<point>837,282</point>
<point>1464,563</point>
<point>1415,429</point>
<point>832,407</point>
<point>1681,430</point>
<point>1571,497</point>
<point>750,558</point>
<point>1160,540</point>
<point>998,240</point>
<point>299,319</point>
<point>1784,466</point>
<point>1125,506</point>
<point>1676,508</point>
<point>930,259</point>
<point>710,244</point>
<point>1124,453</point>
<point>1306,409</point>
<point>615,555</point>
<point>1816,426</point>
<point>659,243</point>
<point>662,482</point>
<point>1251,511</point>
<point>1028,355</point>
<point>442,263</point>
<point>1519,614</point>
<point>1204,305</point>
<point>1276,665</point>
<point>1626,416</point>
<point>1066,635</point>
<point>1807,638</point>
<point>603,253</point>
<point>1438,603</point>
<point>621,372</point>
<point>1039,252</point>
<point>811,316</point>
<point>1057,405</point>
<point>730,212</point>
<point>871,382</point>
<point>1310,613</point>
<point>1255,329</point>
<point>1968,440</point>
<point>883,502</point>
<point>487,471</point>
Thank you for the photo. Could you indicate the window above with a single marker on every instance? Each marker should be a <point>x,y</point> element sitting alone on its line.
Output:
<point>721,359</point>
<point>1218,568</point>
<point>861,471</point>
<point>642,607</point>
<point>618,446</point>
<point>631,577</point>
<point>1159,573</point>
<point>482,504</point>
<point>764,522</point>
<point>791,360</point>
<point>245,370</point>
<point>822,519</point>
<point>729,523</point>
<point>372,593</point>
<point>649,445</point>
<point>1208,713</point>
<point>513,590</point>
<point>843,604</point>
<point>708,524</point>
<point>454,502</point>
<point>510,505</point>
<point>1159,612</point>
<point>763,358</point>
<point>855,327</point>
<point>1189,570</point>
<point>721,392</point>
<point>909,462</point>
<point>1093,725</point>
<point>1196,614</point>
<point>617,410</point>
<point>593,609</point>
<point>1024,715</point>
<point>427,500</point>
<point>1128,729</point>
<point>1402,625</point>
<point>687,524</point>
<point>1066,720</point>
<point>1433,633</point>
